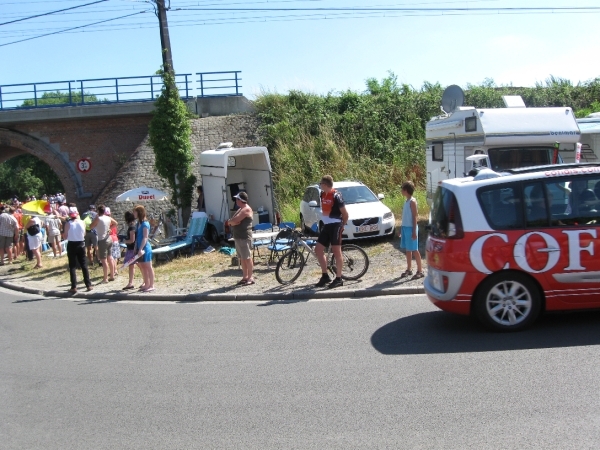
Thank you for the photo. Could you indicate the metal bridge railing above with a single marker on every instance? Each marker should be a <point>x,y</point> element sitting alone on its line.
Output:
<point>208,80</point>
<point>111,90</point>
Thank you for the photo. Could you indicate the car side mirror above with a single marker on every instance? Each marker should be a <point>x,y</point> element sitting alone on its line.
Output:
<point>380,196</point>
<point>312,204</point>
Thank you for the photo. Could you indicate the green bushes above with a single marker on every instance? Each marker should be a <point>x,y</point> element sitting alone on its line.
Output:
<point>377,136</point>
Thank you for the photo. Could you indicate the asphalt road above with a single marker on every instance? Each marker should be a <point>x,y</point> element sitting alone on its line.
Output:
<point>374,373</point>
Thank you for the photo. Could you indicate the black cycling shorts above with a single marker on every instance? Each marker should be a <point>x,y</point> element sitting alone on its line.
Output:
<point>331,234</point>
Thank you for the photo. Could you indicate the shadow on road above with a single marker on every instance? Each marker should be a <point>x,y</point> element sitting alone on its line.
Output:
<point>440,332</point>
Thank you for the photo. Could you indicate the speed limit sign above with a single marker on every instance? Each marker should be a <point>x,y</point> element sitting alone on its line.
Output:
<point>84,165</point>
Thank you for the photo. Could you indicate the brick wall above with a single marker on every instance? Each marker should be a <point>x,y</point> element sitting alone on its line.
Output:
<point>107,142</point>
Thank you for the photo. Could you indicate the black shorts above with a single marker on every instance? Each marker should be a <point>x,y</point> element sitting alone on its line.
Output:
<point>331,234</point>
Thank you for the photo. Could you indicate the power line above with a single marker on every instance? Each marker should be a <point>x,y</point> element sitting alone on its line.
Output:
<point>52,12</point>
<point>74,28</point>
<point>286,18</point>
<point>396,9</point>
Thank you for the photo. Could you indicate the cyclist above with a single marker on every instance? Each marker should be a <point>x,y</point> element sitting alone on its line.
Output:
<point>334,217</point>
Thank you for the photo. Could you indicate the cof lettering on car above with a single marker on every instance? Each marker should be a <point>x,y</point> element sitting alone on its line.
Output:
<point>534,252</point>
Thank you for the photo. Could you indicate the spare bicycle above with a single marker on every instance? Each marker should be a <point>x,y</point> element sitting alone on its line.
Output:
<point>290,265</point>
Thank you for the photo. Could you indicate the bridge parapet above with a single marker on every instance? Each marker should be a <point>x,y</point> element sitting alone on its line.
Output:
<point>58,94</point>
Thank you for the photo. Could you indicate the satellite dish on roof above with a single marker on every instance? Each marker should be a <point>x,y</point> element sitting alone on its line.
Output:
<point>452,98</point>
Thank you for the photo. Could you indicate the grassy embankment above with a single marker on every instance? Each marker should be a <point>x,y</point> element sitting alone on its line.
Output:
<point>378,136</point>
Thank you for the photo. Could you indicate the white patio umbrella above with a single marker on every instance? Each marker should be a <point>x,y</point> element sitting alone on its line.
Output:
<point>142,194</point>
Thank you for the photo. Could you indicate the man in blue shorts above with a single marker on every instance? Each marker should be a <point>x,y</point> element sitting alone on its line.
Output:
<point>334,218</point>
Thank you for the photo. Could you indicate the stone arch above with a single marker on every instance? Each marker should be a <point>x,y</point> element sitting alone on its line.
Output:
<point>14,143</point>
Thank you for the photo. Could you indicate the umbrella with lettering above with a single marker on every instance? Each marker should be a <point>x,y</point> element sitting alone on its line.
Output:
<point>142,194</point>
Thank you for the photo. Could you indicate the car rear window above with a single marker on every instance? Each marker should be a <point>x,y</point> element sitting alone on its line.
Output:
<point>445,215</point>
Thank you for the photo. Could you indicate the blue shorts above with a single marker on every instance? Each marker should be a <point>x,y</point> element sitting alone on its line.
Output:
<point>406,240</point>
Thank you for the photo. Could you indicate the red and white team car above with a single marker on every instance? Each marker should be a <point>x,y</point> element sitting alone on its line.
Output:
<point>505,247</point>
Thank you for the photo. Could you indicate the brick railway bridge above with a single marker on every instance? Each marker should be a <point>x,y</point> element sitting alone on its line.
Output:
<point>101,150</point>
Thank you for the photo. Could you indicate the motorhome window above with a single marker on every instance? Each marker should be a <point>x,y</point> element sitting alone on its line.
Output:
<point>510,158</point>
<point>231,161</point>
<point>501,206</point>
<point>437,151</point>
<point>471,124</point>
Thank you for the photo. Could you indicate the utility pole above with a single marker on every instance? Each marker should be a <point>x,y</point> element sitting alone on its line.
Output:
<point>165,42</point>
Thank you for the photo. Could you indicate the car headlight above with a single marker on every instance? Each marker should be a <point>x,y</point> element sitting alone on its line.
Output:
<point>388,215</point>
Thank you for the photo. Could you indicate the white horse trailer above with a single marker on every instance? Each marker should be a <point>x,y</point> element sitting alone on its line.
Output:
<point>504,138</point>
<point>227,171</point>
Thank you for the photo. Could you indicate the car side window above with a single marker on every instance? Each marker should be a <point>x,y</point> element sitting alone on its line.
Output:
<point>306,197</point>
<point>501,206</point>
<point>575,201</point>
<point>315,196</point>
<point>536,204</point>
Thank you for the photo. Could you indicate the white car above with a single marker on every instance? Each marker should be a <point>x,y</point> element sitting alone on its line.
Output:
<point>367,215</point>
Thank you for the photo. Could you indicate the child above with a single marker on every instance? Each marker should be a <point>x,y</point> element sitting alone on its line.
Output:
<point>409,232</point>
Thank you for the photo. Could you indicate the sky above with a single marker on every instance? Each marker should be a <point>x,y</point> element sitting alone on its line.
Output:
<point>318,50</point>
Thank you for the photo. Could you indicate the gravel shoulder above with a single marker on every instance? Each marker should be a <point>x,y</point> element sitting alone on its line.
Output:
<point>212,273</point>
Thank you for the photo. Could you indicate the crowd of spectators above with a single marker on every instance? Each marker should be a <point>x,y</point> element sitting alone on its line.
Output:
<point>25,233</point>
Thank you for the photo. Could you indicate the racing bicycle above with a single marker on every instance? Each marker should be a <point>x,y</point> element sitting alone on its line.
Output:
<point>290,265</point>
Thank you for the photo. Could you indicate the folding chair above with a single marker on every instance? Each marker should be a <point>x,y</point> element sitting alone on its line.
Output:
<point>194,235</point>
<point>256,244</point>
<point>280,244</point>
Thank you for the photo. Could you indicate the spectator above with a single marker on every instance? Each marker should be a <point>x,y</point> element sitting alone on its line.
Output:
<point>9,231</point>
<point>130,252</point>
<point>409,232</point>
<point>116,247</point>
<point>201,206</point>
<point>34,238</point>
<point>53,230</point>
<point>143,249</point>
<point>74,232</point>
<point>63,210</point>
<point>20,241</point>
<point>241,227</point>
<point>102,225</point>
<point>91,237</point>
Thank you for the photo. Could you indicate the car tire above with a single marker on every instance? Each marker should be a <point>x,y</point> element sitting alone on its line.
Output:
<point>213,234</point>
<point>508,301</point>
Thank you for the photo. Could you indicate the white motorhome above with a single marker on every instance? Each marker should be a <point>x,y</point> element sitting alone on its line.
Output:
<point>498,138</point>
<point>227,171</point>
<point>590,140</point>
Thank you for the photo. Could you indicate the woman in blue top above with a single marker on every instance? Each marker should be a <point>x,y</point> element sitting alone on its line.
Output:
<point>143,249</point>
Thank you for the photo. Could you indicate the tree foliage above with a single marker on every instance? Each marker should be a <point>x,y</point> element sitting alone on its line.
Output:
<point>60,98</point>
<point>26,175</point>
<point>170,132</point>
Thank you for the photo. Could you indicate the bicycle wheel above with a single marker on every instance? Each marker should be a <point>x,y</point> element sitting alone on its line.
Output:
<point>356,262</point>
<point>289,267</point>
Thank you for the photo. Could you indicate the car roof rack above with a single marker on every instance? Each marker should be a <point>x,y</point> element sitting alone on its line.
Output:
<point>531,169</point>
